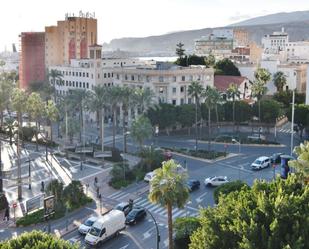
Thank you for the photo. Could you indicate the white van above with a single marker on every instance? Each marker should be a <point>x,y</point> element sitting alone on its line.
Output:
<point>106,227</point>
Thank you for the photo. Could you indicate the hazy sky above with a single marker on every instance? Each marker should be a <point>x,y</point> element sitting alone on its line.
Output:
<point>135,18</point>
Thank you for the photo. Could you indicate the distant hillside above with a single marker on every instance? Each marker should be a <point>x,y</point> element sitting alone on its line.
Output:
<point>283,17</point>
<point>164,45</point>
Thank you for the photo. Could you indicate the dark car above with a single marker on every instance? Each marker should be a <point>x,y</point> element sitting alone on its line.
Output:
<point>135,215</point>
<point>193,184</point>
<point>124,207</point>
<point>276,158</point>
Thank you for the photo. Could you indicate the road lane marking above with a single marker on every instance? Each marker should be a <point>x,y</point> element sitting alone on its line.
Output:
<point>200,198</point>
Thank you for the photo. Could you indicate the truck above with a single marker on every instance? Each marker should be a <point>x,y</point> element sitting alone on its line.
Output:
<point>105,228</point>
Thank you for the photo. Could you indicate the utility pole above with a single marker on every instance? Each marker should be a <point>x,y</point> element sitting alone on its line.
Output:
<point>19,188</point>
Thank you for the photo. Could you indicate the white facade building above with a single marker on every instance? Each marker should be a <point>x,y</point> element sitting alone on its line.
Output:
<point>297,52</point>
<point>169,82</point>
<point>274,43</point>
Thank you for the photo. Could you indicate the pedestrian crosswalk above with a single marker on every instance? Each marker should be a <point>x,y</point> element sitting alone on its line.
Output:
<point>282,130</point>
<point>153,208</point>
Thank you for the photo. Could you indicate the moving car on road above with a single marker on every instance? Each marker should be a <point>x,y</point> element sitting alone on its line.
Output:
<point>85,227</point>
<point>193,184</point>
<point>135,215</point>
<point>276,158</point>
<point>261,162</point>
<point>216,181</point>
<point>124,207</point>
<point>149,176</point>
<point>106,227</point>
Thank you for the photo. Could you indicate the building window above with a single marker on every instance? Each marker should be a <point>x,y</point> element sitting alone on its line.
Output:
<point>70,83</point>
<point>161,90</point>
<point>182,89</point>
<point>87,75</point>
<point>73,84</point>
<point>80,84</point>
<point>83,74</point>
<point>174,101</point>
<point>83,84</point>
<point>104,75</point>
<point>73,73</point>
<point>182,101</point>
<point>66,83</point>
<point>189,101</point>
<point>160,78</point>
<point>191,78</point>
<point>147,78</point>
<point>108,75</point>
<point>132,77</point>
<point>87,85</point>
<point>174,89</point>
<point>174,78</point>
<point>126,77</point>
<point>80,74</point>
<point>98,76</point>
<point>112,74</point>
<point>117,76</point>
<point>183,78</point>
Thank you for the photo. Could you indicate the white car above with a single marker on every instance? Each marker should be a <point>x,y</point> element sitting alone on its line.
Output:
<point>261,162</point>
<point>85,227</point>
<point>149,176</point>
<point>216,180</point>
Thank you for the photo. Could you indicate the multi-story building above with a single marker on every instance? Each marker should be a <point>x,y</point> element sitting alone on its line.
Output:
<point>32,63</point>
<point>276,42</point>
<point>169,82</point>
<point>296,74</point>
<point>241,38</point>
<point>297,52</point>
<point>70,39</point>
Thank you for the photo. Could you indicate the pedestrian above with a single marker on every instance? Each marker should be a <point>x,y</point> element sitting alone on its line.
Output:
<point>7,214</point>
<point>42,186</point>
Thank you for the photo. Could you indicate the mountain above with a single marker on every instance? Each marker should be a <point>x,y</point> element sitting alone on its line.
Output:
<point>296,24</point>
<point>283,17</point>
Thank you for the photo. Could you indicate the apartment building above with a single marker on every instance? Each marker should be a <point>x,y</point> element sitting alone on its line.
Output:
<point>275,42</point>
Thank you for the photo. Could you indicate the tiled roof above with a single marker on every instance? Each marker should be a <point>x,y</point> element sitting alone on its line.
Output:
<point>222,82</point>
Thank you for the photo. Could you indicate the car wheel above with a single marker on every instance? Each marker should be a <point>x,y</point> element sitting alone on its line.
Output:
<point>209,184</point>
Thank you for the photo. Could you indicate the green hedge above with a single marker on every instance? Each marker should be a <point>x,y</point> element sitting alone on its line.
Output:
<point>228,188</point>
<point>205,154</point>
<point>184,228</point>
<point>32,218</point>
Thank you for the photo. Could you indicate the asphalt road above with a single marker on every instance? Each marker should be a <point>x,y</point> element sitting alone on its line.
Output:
<point>237,167</point>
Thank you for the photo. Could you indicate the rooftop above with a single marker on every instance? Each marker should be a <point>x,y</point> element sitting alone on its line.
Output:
<point>222,82</point>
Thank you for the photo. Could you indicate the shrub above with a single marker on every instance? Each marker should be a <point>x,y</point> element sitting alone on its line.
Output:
<point>228,188</point>
<point>36,240</point>
<point>116,157</point>
<point>183,228</point>
<point>32,218</point>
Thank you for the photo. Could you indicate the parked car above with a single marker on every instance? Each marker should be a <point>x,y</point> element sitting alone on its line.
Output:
<point>276,158</point>
<point>149,176</point>
<point>193,184</point>
<point>257,137</point>
<point>124,207</point>
<point>261,162</point>
<point>137,214</point>
<point>86,226</point>
<point>106,227</point>
<point>216,180</point>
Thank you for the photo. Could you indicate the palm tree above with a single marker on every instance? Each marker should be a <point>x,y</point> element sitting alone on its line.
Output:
<point>55,75</point>
<point>210,101</point>
<point>144,98</point>
<point>169,189</point>
<point>195,90</point>
<point>233,93</point>
<point>279,80</point>
<point>115,98</point>
<point>78,103</point>
<point>218,99</point>
<point>51,114</point>
<point>99,100</point>
<point>35,108</point>
<point>6,86</point>
<point>141,129</point>
<point>10,126</point>
<point>19,99</point>
<point>45,89</point>
<point>259,88</point>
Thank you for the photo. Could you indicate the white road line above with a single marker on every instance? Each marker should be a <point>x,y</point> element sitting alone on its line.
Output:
<point>177,214</point>
<point>192,208</point>
<point>114,194</point>
<point>141,202</point>
<point>122,196</point>
<point>154,208</point>
<point>149,204</point>
<point>200,198</point>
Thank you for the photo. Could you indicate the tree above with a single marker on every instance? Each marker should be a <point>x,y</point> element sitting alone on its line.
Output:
<point>233,93</point>
<point>99,101</point>
<point>210,60</point>
<point>180,52</point>
<point>36,240</point>
<point>141,129</point>
<point>45,89</point>
<point>144,98</point>
<point>184,227</point>
<point>10,127</point>
<point>259,88</point>
<point>19,100</point>
<point>226,67</point>
<point>195,90</point>
<point>271,110</point>
<point>269,215</point>
<point>228,188</point>
<point>6,87</point>
<point>168,188</point>
<point>72,128</point>
<point>301,116</point>
<point>55,75</point>
<point>210,97</point>
<point>35,108</point>
<point>190,60</point>
<point>302,162</point>
<point>285,97</point>
<point>52,115</point>
<point>279,80</point>
<point>185,115</point>
<point>115,98</point>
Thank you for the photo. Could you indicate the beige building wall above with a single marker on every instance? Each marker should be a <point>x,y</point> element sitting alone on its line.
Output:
<point>241,37</point>
<point>70,39</point>
<point>255,52</point>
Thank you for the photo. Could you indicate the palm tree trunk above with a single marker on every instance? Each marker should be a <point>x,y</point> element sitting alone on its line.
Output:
<point>208,128</point>
<point>51,130</point>
<point>195,125</point>
<point>81,124</point>
<point>36,136</point>
<point>234,114</point>
<point>1,124</point>
<point>170,226</point>
<point>114,126</point>
<point>102,129</point>
<point>259,111</point>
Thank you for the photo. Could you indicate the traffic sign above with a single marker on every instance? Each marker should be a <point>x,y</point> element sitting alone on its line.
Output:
<point>14,205</point>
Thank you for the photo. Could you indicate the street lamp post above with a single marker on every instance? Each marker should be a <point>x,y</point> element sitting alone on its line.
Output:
<point>237,142</point>
<point>1,182</point>
<point>292,123</point>
<point>157,229</point>
<point>29,170</point>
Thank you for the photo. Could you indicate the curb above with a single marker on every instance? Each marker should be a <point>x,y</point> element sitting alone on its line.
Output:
<point>250,145</point>
<point>230,155</point>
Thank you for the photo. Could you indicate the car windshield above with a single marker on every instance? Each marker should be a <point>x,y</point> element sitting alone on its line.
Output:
<point>89,223</point>
<point>133,213</point>
<point>257,162</point>
<point>95,231</point>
